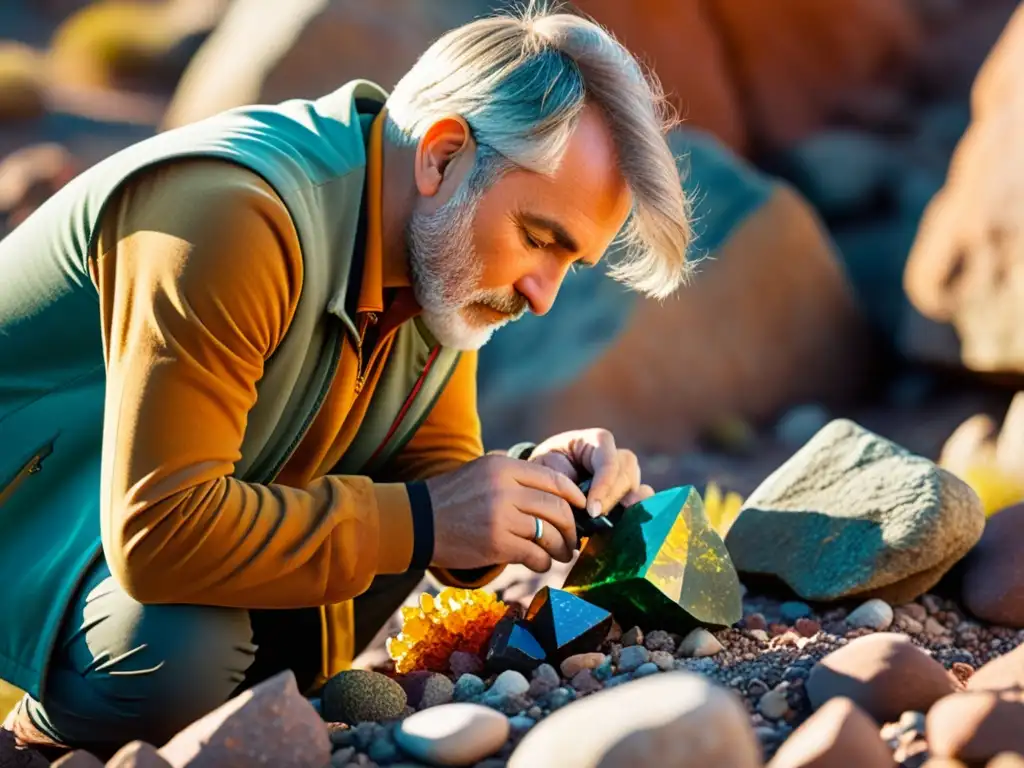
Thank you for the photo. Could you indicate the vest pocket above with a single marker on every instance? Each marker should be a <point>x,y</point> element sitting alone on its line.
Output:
<point>31,467</point>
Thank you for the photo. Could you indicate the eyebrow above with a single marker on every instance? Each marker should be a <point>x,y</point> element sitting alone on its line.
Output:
<point>556,230</point>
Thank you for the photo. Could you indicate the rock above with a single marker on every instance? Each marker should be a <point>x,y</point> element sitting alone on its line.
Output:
<point>975,726</point>
<point>426,689</point>
<point>1006,760</point>
<point>520,724</point>
<point>663,660</point>
<point>800,423</point>
<point>675,718</point>
<point>992,582</point>
<point>383,751</point>
<point>699,643</point>
<point>841,172</point>
<point>884,674</point>
<point>769,258</point>
<point>1003,673</point>
<point>574,664</point>
<point>648,668</point>
<point>461,663</point>
<point>839,733</point>
<point>807,627</point>
<point>963,271</point>
<point>852,513</point>
<point>874,614</point>
<point>564,624</point>
<point>632,636</point>
<point>22,82</point>
<point>137,754</point>
<point>793,610</point>
<point>453,734</point>
<point>585,682</point>
<point>632,657</point>
<point>468,687</point>
<point>659,640</point>
<point>934,629</point>
<point>544,680</point>
<point>271,723</point>
<point>559,697</point>
<point>755,621</point>
<point>31,759</point>
<point>343,757</point>
<point>359,695</point>
<point>661,565</point>
<point>773,704</point>
<point>510,683</point>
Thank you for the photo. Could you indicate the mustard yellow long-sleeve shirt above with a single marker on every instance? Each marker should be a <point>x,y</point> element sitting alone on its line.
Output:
<point>199,270</point>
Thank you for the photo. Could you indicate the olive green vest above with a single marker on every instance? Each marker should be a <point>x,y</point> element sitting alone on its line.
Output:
<point>52,378</point>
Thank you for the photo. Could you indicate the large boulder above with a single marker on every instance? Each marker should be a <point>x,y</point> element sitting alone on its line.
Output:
<point>766,271</point>
<point>852,513</point>
<point>966,268</point>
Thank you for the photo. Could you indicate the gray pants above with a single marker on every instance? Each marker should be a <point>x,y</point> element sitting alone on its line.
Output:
<point>123,671</point>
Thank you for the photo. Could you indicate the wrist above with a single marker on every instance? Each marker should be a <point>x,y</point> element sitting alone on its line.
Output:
<point>422,525</point>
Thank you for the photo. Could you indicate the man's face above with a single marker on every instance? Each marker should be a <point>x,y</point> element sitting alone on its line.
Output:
<point>480,258</point>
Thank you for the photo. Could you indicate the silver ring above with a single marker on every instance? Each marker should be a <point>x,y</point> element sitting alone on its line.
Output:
<point>538,529</point>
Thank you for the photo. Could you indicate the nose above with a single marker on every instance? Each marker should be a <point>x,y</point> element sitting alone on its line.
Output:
<point>540,288</point>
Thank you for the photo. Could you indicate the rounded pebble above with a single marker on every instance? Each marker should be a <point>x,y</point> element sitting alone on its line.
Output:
<point>650,668</point>
<point>874,614</point>
<point>359,695</point>
<point>509,683</point>
<point>793,610</point>
<point>453,734</point>
<point>462,663</point>
<point>773,705</point>
<point>468,687</point>
<point>699,643</point>
<point>663,660</point>
<point>521,724</point>
<point>575,663</point>
<point>633,636</point>
<point>585,682</point>
<point>632,657</point>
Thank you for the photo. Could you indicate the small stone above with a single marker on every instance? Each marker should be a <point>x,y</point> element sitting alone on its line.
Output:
<point>463,663</point>
<point>468,687</point>
<point>659,640</point>
<point>342,737</point>
<point>755,621</point>
<point>383,751</point>
<point>807,627</point>
<point>874,614</point>
<point>585,682</point>
<point>633,636</point>
<point>453,734</point>
<point>793,610</point>
<point>911,721</point>
<point>614,633</point>
<point>521,724</point>
<point>271,723</point>
<point>699,643</point>
<point>650,668</point>
<point>611,682</point>
<point>838,734</point>
<point>509,683</point>
<point>558,698</point>
<point>604,670</point>
<point>358,695</point>
<point>575,663</point>
<point>909,625</point>
<point>342,757</point>
<point>365,733</point>
<point>931,603</point>
<point>916,611</point>
<point>543,681</point>
<point>663,660</point>
<point>757,687</point>
<point>759,634</point>
<point>975,726</point>
<point>632,657</point>
<point>676,718</point>
<point>19,758</point>
<point>535,712</point>
<point>426,689</point>
<point>773,705</point>
<point>884,674</point>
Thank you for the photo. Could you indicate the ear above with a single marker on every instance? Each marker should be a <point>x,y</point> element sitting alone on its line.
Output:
<point>441,146</point>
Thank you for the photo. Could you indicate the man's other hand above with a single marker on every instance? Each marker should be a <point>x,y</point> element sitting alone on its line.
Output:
<point>485,513</point>
<point>615,471</point>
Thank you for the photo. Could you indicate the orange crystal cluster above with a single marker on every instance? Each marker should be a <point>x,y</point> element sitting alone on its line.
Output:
<point>455,620</point>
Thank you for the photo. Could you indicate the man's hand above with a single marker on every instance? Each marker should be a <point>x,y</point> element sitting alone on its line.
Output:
<point>616,471</point>
<point>485,513</point>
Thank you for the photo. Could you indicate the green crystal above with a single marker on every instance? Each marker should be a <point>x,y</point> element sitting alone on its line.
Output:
<point>662,567</point>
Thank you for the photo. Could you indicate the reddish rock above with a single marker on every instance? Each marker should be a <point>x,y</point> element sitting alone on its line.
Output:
<point>883,673</point>
<point>272,724</point>
<point>993,571</point>
<point>1003,673</point>
<point>77,759</point>
<point>964,268</point>
<point>837,734</point>
<point>975,726</point>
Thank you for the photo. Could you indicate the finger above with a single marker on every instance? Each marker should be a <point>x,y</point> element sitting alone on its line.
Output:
<point>553,510</point>
<point>551,540</point>
<point>626,481</point>
<point>635,497</point>
<point>530,554</point>
<point>605,466</point>
<point>560,463</point>
<point>542,478</point>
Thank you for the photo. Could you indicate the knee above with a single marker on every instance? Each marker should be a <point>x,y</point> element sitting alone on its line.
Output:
<point>154,668</point>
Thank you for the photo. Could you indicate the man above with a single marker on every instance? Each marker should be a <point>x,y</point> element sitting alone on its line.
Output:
<point>237,371</point>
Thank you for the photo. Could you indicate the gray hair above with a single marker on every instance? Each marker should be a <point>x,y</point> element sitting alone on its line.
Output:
<point>521,81</point>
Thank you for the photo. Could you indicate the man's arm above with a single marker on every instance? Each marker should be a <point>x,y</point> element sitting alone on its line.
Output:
<point>199,271</point>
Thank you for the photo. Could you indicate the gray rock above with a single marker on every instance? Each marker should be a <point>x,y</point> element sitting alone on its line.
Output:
<point>663,660</point>
<point>632,657</point>
<point>509,683</point>
<point>360,695</point>
<point>671,719</point>
<point>852,513</point>
<point>699,643</point>
<point>138,754</point>
<point>270,724</point>
<point>544,680</point>
<point>874,614</point>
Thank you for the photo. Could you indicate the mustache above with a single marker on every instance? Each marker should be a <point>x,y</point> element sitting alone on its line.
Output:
<point>514,304</point>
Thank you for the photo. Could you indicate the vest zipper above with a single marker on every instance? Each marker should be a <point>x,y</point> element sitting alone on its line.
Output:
<point>34,465</point>
<point>362,371</point>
